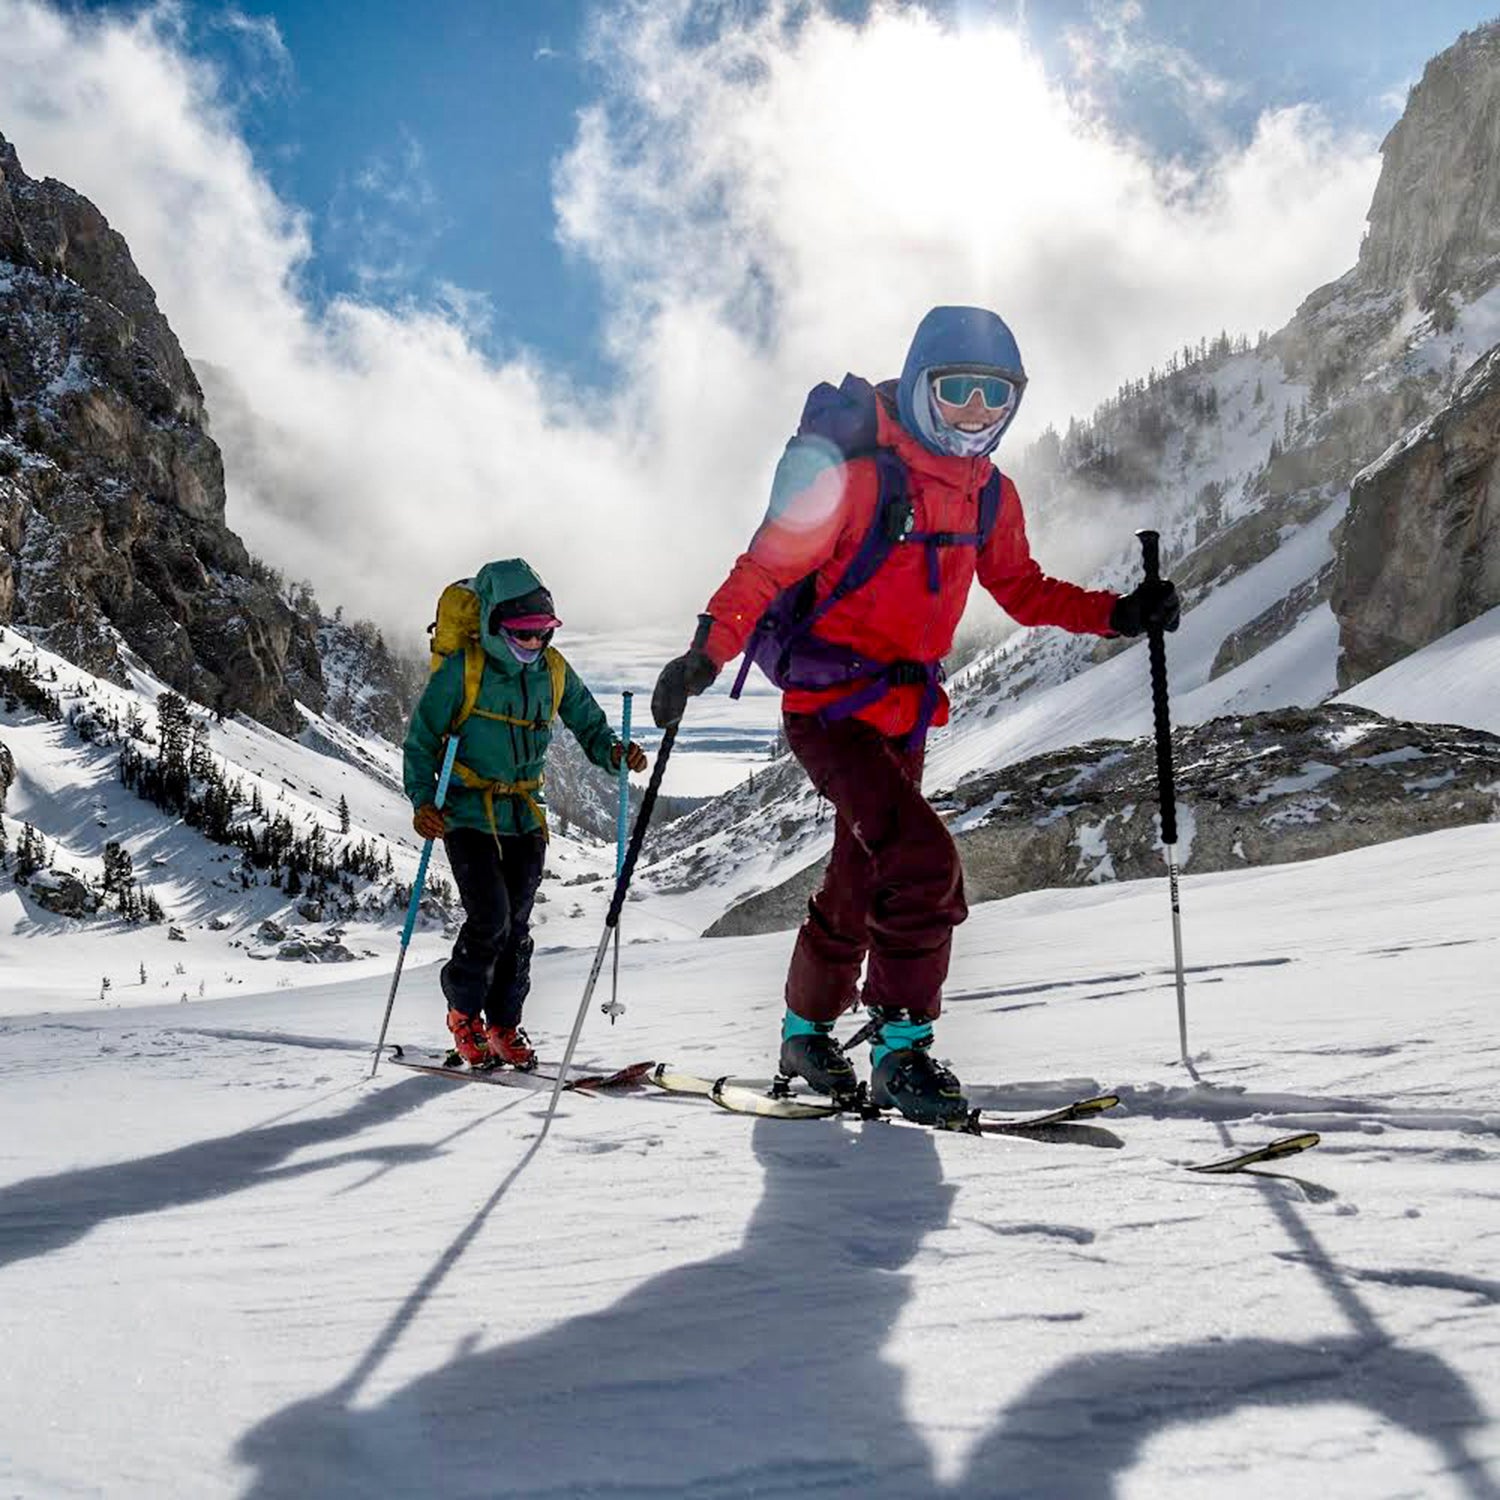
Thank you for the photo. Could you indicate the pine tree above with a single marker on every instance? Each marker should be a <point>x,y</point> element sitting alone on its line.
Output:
<point>119,870</point>
<point>200,762</point>
<point>31,853</point>
<point>343,814</point>
<point>173,728</point>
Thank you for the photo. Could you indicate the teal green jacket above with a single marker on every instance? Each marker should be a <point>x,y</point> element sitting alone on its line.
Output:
<point>510,753</point>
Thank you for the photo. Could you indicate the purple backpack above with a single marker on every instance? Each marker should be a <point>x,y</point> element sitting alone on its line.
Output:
<point>782,644</point>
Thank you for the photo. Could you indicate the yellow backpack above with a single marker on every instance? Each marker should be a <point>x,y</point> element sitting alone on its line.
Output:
<point>456,628</point>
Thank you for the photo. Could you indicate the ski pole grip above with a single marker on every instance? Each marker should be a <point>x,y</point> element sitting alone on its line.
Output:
<point>1150,553</point>
<point>1156,650</point>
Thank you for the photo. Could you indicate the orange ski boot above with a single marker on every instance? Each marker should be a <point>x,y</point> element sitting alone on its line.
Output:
<point>469,1040</point>
<point>510,1044</point>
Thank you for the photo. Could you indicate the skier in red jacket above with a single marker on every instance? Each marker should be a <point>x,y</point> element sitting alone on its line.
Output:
<point>893,891</point>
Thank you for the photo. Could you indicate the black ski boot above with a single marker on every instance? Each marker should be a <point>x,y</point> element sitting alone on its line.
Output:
<point>904,1077</point>
<point>811,1052</point>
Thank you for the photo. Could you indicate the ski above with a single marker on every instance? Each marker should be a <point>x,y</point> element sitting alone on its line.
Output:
<point>748,1097</point>
<point>1288,1145</point>
<point>447,1064</point>
<point>741,1098</point>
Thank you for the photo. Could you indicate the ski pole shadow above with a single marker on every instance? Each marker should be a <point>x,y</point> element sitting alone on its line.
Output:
<point>42,1214</point>
<point>1079,1429</point>
<point>759,1371</point>
<point>1076,1432</point>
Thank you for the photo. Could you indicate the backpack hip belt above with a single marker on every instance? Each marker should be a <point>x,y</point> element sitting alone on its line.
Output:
<point>492,788</point>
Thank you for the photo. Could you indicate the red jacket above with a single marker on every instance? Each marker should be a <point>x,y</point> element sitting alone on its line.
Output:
<point>895,617</point>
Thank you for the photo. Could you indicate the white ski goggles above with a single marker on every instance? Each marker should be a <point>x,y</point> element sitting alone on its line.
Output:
<point>957,387</point>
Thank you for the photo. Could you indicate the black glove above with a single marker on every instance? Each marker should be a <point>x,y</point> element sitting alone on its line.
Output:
<point>1148,606</point>
<point>682,678</point>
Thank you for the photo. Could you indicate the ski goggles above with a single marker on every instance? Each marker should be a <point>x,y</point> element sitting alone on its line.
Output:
<point>957,387</point>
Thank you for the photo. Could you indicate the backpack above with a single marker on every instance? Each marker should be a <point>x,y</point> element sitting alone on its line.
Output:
<point>456,628</point>
<point>782,643</point>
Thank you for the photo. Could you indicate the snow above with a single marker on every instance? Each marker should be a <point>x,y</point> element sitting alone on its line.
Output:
<point>233,1264</point>
<point>1455,680</point>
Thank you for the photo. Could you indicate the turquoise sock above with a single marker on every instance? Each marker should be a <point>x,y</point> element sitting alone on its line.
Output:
<point>794,1025</point>
<point>898,1035</point>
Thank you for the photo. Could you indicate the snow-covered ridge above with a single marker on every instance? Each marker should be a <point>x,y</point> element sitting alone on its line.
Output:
<point>66,785</point>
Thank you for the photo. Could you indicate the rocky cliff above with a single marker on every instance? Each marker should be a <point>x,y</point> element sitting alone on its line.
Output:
<point>1420,553</point>
<point>112,529</point>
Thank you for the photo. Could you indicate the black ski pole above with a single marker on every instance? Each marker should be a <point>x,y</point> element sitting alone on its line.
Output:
<point>617,902</point>
<point>1166,792</point>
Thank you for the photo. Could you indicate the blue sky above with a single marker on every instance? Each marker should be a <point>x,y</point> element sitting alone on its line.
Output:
<point>473,280</point>
<point>421,140</point>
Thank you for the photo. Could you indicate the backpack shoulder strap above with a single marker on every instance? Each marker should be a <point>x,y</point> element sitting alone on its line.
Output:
<point>847,418</point>
<point>473,676</point>
<point>557,665</point>
<point>892,520</point>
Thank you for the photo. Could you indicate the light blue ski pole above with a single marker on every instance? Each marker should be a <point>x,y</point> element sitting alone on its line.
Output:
<point>416,898</point>
<point>614,1010</point>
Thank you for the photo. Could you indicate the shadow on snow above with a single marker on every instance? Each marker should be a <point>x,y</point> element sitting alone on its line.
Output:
<point>762,1372</point>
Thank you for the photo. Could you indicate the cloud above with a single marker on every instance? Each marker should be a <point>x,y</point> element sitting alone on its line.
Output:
<point>768,202</point>
<point>386,220</point>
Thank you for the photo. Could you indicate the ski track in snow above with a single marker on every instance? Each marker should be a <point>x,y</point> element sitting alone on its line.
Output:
<point>231,1264</point>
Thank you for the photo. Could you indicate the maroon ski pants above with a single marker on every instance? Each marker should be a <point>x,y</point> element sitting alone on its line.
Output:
<point>893,890</point>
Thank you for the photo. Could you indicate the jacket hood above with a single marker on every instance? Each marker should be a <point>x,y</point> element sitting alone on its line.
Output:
<point>495,582</point>
<point>969,338</point>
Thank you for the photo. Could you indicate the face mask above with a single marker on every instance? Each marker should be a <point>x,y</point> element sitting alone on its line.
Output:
<point>527,651</point>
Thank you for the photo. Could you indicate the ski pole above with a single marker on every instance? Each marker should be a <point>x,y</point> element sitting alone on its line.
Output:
<point>416,897</point>
<point>1166,793</point>
<point>617,901</point>
<point>614,1010</point>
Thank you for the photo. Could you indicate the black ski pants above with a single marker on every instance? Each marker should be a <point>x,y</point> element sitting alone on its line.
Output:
<point>497,878</point>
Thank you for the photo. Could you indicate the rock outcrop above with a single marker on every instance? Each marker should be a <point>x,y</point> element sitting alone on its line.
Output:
<point>1272,788</point>
<point>112,533</point>
<point>1435,217</point>
<point>1420,551</point>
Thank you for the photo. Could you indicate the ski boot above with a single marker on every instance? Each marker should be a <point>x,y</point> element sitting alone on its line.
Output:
<point>904,1077</point>
<point>510,1044</point>
<point>810,1051</point>
<point>469,1041</point>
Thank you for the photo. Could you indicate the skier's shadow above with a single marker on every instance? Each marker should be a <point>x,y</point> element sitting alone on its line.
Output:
<point>697,1382</point>
<point>41,1214</point>
<point>762,1372</point>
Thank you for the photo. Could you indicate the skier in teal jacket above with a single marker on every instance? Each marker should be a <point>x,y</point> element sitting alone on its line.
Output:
<point>494,823</point>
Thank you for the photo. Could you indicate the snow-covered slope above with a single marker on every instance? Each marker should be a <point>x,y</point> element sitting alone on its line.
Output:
<point>230,1264</point>
<point>68,789</point>
<point>1456,680</point>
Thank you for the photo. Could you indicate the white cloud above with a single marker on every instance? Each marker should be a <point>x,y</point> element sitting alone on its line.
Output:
<point>769,204</point>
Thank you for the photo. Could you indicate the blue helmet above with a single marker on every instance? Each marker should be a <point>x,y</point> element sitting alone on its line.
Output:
<point>955,338</point>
